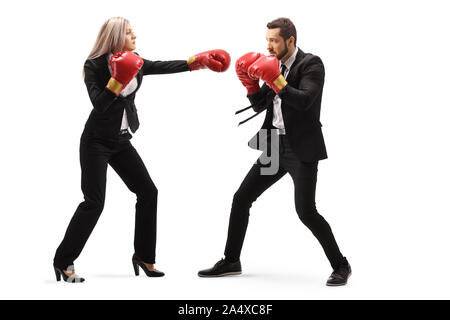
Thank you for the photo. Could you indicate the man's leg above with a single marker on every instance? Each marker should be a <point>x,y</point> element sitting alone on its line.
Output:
<point>253,185</point>
<point>304,175</point>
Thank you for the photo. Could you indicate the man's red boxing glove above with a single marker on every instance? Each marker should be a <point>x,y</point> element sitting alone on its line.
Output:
<point>267,69</point>
<point>242,65</point>
<point>215,60</point>
<point>124,66</point>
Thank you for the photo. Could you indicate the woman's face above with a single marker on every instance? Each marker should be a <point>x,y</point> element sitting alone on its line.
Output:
<point>130,39</point>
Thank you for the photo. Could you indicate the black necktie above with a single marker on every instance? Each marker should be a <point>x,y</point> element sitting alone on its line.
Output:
<point>283,69</point>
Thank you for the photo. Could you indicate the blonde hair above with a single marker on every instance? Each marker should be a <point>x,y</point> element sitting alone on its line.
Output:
<point>111,37</point>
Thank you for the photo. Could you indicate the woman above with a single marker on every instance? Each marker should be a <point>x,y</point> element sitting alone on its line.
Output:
<point>113,74</point>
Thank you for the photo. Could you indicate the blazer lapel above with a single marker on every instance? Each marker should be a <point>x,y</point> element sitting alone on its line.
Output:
<point>139,75</point>
<point>298,58</point>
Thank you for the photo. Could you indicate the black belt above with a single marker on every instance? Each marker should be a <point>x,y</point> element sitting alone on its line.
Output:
<point>122,132</point>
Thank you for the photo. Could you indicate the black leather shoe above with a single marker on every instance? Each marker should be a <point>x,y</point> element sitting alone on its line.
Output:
<point>340,275</point>
<point>70,279</point>
<point>222,268</point>
<point>137,262</point>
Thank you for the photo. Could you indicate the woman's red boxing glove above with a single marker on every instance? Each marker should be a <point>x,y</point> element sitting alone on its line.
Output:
<point>124,66</point>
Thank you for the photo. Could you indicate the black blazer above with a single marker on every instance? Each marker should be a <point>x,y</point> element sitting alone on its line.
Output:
<point>300,107</point>
<point>106,116</point>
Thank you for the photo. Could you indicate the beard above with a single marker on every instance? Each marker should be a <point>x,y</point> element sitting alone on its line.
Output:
<point>283,53</point>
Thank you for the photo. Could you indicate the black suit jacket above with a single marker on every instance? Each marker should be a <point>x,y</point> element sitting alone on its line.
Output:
<point>300,107</point>
<point>105,118</point>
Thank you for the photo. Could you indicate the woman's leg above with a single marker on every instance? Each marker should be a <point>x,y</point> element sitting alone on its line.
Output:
<point>93,159</point>
<point>131,169</point>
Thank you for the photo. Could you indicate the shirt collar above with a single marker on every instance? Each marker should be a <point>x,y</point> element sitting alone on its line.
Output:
<point>290,60</point>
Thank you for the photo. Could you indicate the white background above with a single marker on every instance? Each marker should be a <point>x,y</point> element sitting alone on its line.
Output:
<point>384,189</point>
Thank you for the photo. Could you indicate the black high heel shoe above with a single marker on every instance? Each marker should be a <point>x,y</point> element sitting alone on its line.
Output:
<point>70,279</point>
<point>137,262</point>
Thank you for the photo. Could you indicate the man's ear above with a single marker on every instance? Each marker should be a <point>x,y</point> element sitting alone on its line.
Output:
<point>292,40</point>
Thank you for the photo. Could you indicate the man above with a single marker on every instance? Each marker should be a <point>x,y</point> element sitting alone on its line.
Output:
<point>292,99</point>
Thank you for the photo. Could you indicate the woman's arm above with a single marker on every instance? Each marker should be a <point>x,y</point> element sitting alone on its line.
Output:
<point>216,60</point>
<point>163,67</point>
<point>100,96</point>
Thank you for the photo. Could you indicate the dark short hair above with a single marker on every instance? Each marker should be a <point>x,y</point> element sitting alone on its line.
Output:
<point>287,28</point>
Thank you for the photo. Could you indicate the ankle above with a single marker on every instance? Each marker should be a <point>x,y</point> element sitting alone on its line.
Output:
<point>150,267</point>
<point>69,273</point>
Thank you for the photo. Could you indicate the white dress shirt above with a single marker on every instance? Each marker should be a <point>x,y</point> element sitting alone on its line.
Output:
<point>125,92</point>
<point>277,115</point>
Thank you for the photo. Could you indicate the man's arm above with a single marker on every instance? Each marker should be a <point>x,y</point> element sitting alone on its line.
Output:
<point>258,99</point>
<point>309,88</point>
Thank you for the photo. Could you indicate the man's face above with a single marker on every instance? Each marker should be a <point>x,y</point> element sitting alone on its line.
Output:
<point>275,43</point>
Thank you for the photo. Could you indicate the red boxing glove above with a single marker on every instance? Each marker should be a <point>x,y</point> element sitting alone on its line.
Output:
<point>242,65</point>
<point>124,66</point>
<point>267,69</point>
<point>215,60</point>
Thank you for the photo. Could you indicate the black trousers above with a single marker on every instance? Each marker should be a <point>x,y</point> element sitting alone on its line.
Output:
<point>304,175</point>
<point>95,155</point>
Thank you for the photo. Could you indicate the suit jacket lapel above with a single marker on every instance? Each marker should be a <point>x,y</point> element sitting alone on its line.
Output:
<point>298,58</point>
<point>140,74</point>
